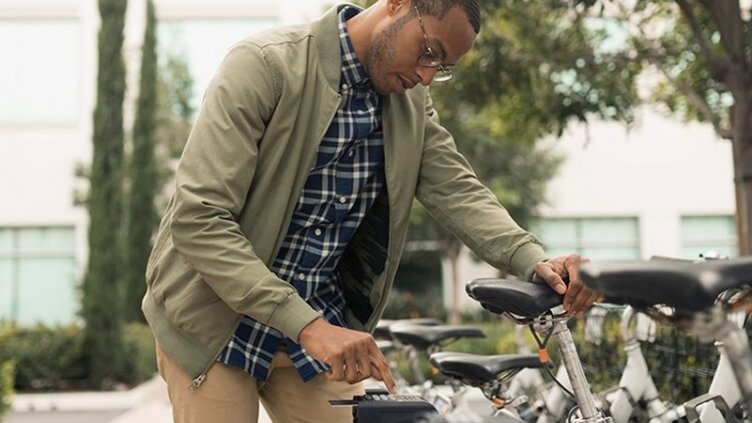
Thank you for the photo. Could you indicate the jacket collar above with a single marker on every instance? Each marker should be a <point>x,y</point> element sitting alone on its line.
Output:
<point>326,35</point>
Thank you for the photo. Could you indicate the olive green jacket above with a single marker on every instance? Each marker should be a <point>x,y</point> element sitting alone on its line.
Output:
<point>241,174</point>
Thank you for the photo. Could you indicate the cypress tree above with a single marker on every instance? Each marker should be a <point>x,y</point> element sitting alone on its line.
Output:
<point>143,176</point>
<point>102,293</point>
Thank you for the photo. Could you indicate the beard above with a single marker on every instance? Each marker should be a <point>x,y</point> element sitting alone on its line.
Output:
<point>381,54</point>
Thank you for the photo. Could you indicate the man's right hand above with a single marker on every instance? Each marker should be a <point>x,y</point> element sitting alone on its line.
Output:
<point>352,355</point>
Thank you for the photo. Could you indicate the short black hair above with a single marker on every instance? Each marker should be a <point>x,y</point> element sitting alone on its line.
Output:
<point>439,8</point>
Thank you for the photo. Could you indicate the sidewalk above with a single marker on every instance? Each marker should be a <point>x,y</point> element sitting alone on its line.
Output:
<point>147,403</point>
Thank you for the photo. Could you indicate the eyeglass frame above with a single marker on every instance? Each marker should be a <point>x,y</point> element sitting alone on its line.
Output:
<point>444,73</point>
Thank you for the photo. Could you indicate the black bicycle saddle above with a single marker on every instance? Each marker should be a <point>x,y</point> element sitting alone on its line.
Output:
<point>679,284</point>
<point>480,369</point>
<point>422,337</point>
<point>382,329</point>
<point>525,299</point>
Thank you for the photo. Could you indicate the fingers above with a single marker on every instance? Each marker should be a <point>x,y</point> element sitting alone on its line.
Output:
<point>573,300</point>
<point>337,368</point>
<point>363,361</point>
<point>581,296</point>
<point>546,272</point>
<point>359,361</point>
<point>375,372</point>
<point>584,300</point>
<point>351,364</point>
<point>382,367</point>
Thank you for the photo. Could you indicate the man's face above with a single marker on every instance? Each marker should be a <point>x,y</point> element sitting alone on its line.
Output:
<point>392,59</point>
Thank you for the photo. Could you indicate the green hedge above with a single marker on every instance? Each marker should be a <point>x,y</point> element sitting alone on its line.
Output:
<point>52,358</point>
<point>6,386</point>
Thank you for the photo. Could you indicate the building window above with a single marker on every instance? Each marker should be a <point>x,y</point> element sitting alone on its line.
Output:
<point>40,75</point>
<point>702,234</point>
<point>203,43</point>
<point>601,238</point>
<point>37,275</point>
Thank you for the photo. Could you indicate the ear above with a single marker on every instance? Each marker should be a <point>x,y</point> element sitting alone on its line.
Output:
<point>394,7</point>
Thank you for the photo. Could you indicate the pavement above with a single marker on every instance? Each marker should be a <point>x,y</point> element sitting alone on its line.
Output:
<point>146,403</point>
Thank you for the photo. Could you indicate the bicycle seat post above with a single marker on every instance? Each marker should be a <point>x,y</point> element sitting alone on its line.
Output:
<point>571,361</point>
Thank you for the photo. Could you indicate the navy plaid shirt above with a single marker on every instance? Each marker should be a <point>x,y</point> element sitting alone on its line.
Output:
<point>342,186</point>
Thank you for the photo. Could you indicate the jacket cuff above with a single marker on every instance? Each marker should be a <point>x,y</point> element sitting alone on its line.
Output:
<point>292,315</point>
<point>525,258</point>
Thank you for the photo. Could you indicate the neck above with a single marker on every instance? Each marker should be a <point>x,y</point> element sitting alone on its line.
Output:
<point>360,28</point>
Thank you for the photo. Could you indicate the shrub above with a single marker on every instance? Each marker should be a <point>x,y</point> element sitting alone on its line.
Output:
<point>7,369</point>
<point>52,358</point>
<point>46,358</point>
<point>140,363</point>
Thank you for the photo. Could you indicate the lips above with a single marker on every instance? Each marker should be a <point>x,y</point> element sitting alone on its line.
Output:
<point>403,84</point>
<point>400,86</point>
<point>407,83</point>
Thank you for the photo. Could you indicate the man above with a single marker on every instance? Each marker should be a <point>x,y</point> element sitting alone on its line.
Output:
<point>277,252</point>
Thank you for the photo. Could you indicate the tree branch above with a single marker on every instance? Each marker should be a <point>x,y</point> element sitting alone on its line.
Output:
<point>719,65</point>
<point>727,16</point>
<point>656,58</point>
<point>695,99</point>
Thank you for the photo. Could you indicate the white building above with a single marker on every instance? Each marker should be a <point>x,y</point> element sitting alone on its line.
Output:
<point>663,188</point>
<point>47,97</point>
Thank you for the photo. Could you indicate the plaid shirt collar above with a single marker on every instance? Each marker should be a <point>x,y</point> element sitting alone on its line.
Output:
<point>353,72</point>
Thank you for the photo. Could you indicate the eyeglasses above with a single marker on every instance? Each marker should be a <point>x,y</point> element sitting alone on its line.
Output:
<point>429,59</point>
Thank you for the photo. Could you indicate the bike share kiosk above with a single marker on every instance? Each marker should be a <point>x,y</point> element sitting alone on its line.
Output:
<point>378,406</point>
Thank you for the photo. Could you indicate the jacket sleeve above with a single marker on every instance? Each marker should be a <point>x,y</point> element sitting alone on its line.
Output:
<point>212,180</point>
<point>450,191</point>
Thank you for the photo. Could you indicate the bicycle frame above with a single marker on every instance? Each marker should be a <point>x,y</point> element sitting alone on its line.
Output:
<point>636,383</point>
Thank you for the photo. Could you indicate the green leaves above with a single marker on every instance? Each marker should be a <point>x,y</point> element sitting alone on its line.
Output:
<point>102,287</point>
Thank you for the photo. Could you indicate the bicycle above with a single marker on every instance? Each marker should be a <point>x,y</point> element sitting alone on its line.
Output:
<point>691,291</point>
<point>540,307</point>
<point>636,395</point>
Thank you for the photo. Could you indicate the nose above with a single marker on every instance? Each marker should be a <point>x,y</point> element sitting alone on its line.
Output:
<point>426,74</point>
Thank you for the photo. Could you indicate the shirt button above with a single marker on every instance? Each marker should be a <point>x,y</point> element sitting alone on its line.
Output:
<point>301,276</point>
<point>351,153</point>
<point>343,200</point>
<point>317,232</point>
<point>344,86</point>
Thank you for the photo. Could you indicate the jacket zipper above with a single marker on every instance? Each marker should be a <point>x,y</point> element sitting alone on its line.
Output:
<point>197,382</point>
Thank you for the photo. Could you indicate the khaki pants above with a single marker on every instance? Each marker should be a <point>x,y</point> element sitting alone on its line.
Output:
<point>230,395</point>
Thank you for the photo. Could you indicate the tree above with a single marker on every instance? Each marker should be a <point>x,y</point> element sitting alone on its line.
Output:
<point>703,51</point>
<point>535,67</point>
<point>175,114</point>
<point>102,291</point>
<point>141,216</point>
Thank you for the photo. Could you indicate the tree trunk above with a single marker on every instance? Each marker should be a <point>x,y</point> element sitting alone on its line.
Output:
<point>742,139</point>
<point>453,254</point>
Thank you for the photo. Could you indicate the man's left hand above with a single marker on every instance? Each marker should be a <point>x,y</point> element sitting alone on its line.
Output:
<point>554,272</point>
